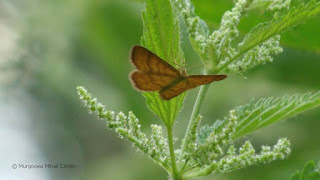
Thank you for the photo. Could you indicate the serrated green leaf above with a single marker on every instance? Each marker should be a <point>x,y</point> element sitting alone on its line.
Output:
<point>318,167</point>
<point>309,172</point>
<point>161,35</point>
<point>295,176</point>
<point>206,130</point>
<point>266,111</point>
<point>265,31</point>
<point>308,168</point>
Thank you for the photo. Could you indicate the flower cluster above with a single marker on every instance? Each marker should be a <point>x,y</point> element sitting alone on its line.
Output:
<point>218,48</point>
<point>258,55</point>
<point>211,147</point>
<point>207,152</point>
<point>205,149</point>
<point>228,31</point>
<point>279,5</point>
<point>197,29</point>
<point>128,127</point>
<point>247,156</point>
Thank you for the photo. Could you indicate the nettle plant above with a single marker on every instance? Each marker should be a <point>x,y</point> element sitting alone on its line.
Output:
<point>210,149</point>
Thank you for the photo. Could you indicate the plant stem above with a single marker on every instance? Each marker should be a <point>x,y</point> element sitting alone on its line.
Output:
<point>195,112</point>
<point>228,62</point>
<point>174,174</point>
<point>202,172</point>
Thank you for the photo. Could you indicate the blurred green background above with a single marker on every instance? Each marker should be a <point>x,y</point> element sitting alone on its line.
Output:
<point>49,47</point>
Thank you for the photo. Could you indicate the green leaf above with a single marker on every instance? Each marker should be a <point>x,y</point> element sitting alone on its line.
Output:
<point>206,130</point>
<point>295,176</point>
<point>265,31</point>
<point>308,173</point>
<point>161,36</point>
<point>267,111</point>
<point>318,167</point>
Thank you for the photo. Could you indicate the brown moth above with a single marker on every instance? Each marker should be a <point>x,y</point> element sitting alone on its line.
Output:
<point>155,74</point>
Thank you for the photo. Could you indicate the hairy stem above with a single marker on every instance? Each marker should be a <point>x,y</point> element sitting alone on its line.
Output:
<point>195,112</point>
<point>202,172</point>
<point>174,174</point>
<point>229,62</point>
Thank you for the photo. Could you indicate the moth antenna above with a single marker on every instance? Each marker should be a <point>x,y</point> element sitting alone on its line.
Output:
<point>203,64</point>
